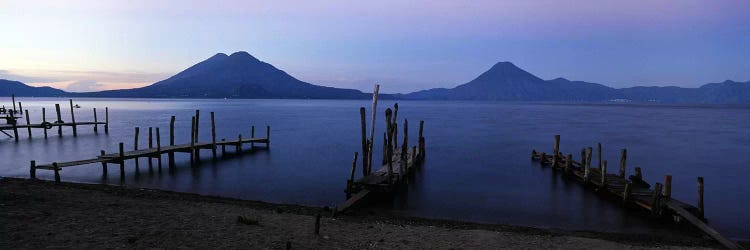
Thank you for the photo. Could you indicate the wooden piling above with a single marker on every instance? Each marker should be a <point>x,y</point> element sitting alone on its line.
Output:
<point>158,149</point>
<point>668,187</point>
<point>59,119</point>
<point>421,128</point>
<point>268,136</point>
<point>104,164</point>
<point>372,125</point>
<point>604,173</point>
<point>170,155</point>
<point>363,125</point>
<point>599,154</point>
<point>121,161</point>
<point>638,173</point>
<point>13,100</point>
<point>57,172</point>
<point>106,120</point>
<point>543,158</point>
<point>32,169</point>
<point>700,197</point>
<point>252,135</point>
<point>15,127</point>
<point>197,122</point>
<point>556,151</point>
<point>656,199</point>
<point>239,143</point>
<point>150,146</point>
<point>623,158</point>
<point>28,124</point>
<point>587,170</point>
<point>192,141</point>
<point>583,159</point>
<point>389,126</point>
<point>44,121</point>
<point>568,163</point>
<point>135,146</point>
<point>73,119</point>
<point>627,192</point>
<point>317,223</point>
<point>223,148</point>
<point>20,108</point>
<point>213,136</point>
<point>96,122</point>
<point>354,167</point>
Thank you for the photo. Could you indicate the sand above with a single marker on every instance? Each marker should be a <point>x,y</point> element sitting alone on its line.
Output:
<point>40,214</point>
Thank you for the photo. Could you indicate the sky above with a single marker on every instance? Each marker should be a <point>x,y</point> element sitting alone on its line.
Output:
<point>403,45</point>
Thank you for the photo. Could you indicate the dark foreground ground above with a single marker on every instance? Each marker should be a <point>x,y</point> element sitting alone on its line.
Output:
<point>40,214</point>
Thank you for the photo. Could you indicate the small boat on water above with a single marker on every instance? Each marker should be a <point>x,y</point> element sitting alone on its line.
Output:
<point>77,106</point>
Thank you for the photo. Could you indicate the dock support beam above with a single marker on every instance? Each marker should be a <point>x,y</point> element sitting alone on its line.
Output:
<point>32,169</point>
<point>556,151</point>
<point>59,120</point>
<point>106,120</point>
<point>668,187</point>
<point>623,159</point>
<point>121,161</point>
<point>197,121</point>
<point>213,136</point>
<point>104,164</point>
<point>158,149</point>
<point>700,197</point>
<point>363,125</point>
<point>192,142</point>
<point>135,147</point>
<point>599,154</point>
<point>73,119</point>
<point>170,155</point>
<point>28,124</point>
<point>57,172</point>
<point>96,122</point>
<point>150,146</point>
<point>268,136</point>
<point>44,120</point>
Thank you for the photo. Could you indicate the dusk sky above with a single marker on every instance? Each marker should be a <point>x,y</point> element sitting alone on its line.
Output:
<point>403,45</point>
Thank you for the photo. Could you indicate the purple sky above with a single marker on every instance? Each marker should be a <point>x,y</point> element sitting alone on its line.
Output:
<point>403,45</point>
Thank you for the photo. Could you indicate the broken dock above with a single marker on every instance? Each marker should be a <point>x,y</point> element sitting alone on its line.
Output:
<point>398,163</point>
<point>156,151</point>
<point>633,191</point>
<point>12,123</point>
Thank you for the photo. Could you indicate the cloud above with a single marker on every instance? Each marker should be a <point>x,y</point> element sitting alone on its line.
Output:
<point>85,86</point>
<point>6,74</point>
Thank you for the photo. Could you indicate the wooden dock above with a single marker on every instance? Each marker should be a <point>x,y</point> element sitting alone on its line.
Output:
<point>399,162</point>
<point>156,151</point>
<point>633,191</point>
<point>13,125</point>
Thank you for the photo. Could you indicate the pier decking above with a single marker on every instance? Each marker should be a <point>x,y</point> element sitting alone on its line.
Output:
<point>157,150</point>
<point>13,125</point>
<point>632,191</point>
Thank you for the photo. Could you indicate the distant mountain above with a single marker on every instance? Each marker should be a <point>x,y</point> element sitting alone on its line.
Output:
<point>239,75</point>
<point>506,82</point>
<point>8,88</point>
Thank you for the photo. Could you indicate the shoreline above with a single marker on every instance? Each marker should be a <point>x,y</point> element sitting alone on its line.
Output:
<point>31,207</point>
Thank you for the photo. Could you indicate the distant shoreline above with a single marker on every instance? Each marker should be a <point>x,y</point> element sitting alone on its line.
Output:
<point>136,217</point>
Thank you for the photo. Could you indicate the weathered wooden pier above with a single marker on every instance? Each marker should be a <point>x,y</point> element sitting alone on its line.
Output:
<point>399,161</point>
<point>632,191</point>
<point>156,151</point>
<point>13,125</point>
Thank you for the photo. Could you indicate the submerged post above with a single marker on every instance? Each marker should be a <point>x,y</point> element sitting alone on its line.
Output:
<point>96,122</point>
<point>252,135</point>
<point>238,148</point>
<point>44,121</point>
<point>73,118</point>
<point>623,158</point>
<point>363,124</point>
<point>106,120</point>
<point>568,163</point>
<point>192,141</point>
<point>170,155</point>
<point>389,149</point>
<point>700,197</point>
<point>13,100</point>
<point>15,126</point>
<point>20,108</point>
<point>213,136</point>
<point>354,167</point>
<point>59,120</point>
<point>604,173</point>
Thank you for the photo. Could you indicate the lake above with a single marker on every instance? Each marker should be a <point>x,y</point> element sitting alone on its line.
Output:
<point>478,165</point>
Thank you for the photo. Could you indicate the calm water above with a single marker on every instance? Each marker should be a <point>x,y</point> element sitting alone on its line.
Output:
<point>477,166</point>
